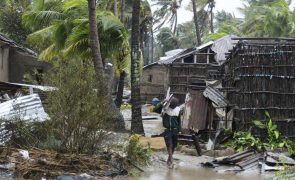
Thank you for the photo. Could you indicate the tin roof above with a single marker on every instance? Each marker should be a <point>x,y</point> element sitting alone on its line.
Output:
<point>220,47</point>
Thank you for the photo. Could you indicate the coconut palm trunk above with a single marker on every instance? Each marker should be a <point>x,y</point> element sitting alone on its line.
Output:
<point>197,29</point>
<point>211,4</point>
<point>136,123</point>
<point>120,85</point>
<point>122,11</point>
<point>116,8</point>
<point>95,49</point>
<point>105,100</point>
<point>120,89</point>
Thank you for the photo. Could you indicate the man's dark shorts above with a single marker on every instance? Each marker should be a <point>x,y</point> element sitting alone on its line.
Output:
<point>171,137</point>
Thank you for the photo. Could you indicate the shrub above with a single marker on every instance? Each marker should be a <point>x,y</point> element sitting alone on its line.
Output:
<point>137,153</point>
<point>78,118</point>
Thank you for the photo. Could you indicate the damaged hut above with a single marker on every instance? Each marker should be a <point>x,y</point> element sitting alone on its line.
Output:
<point>17,61</point>
<point>261,73</point>
<point>182,70</point>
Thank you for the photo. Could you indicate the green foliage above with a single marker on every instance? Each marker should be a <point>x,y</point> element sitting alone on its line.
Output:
<point>61,29</point>
<point>273,141</point>
<point>271,19</point>
<point>78,121</point>
<point>167,40</point>
<point>25,134</point>
<point>186,35</point>
<point>11,20</point>
<point>285,174</point>
<point>167,13</point>
<point>137,153</point>
<point>244,140</point>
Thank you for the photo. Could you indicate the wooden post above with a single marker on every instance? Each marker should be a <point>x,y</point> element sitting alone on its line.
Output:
<point>208,51</point>
<point>197,145</point>
<point>195,58</point>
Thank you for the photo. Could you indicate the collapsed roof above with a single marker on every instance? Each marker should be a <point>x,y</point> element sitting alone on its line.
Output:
<point>220,47</point>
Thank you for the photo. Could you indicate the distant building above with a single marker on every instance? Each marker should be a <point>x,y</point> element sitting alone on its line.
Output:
<point>16,61</point>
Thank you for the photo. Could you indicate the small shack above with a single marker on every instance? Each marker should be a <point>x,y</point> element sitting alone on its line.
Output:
<point>187,69</point>
<point>261,75</point>
<point>16,61</point>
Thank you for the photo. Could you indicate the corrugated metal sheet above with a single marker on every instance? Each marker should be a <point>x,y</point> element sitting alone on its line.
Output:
<point>25,107</point>
<point>222,46</point>
<point>195,111</point>
<point>215,96</point>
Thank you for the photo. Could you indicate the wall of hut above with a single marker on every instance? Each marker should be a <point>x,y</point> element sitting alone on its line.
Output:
<point>4,65</point>
<point>22,63</point>
<point>262,75</point>
<point>154,82</point>
<point>190,73</point>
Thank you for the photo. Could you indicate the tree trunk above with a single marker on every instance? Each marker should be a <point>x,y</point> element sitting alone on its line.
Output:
<point>199,41</point>
<point>211,18</point>
<point>105,99</point>
<point>115,8</point>
<point>136,123</point>
<point>120,85</point>
<point>122,11</point>
<point>175,25</point>
<point>120,89</point>
<point>95,48</point>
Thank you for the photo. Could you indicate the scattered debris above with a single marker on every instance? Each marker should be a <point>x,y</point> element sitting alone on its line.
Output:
<point>50,164</point>
<point>24,154</point>
<point>250,159</point>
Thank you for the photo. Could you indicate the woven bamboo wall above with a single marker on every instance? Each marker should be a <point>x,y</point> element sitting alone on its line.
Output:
<point>190,76</point>
<point>263,72</point>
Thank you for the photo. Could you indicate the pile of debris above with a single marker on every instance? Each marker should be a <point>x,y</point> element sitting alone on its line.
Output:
<point>251,160</point>
<point>37,163</point>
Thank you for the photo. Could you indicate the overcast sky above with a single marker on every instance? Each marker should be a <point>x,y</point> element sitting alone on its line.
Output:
<point>227,5</point>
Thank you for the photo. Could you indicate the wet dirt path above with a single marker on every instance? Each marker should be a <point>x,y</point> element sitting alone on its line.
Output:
<point>189,168</point>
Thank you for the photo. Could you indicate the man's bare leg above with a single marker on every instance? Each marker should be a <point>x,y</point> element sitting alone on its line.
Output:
<point>170,153</point>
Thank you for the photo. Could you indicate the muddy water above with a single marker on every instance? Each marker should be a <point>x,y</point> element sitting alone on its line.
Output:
<point>194,174</point>
<point>187,168</point>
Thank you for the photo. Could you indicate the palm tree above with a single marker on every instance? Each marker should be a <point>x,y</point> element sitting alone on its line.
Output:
<point>136,123</point>
<point>166,13</point>
<point>96,54</point>
<point>196,21</point>
<point>272,19</point>
<point>211,5</point>
<point>122,11</point>
<point>69,32</point>
<point>61,27</point>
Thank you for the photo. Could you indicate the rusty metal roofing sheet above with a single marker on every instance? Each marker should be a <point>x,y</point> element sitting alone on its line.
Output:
<point>195,111</point>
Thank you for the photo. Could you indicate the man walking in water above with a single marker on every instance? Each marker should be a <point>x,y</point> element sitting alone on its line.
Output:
<point>172,124</point>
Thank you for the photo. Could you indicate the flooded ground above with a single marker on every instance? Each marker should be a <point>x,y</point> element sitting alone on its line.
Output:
<point>194,174</point>
<point>189,168</point>
<point>186,167</point>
